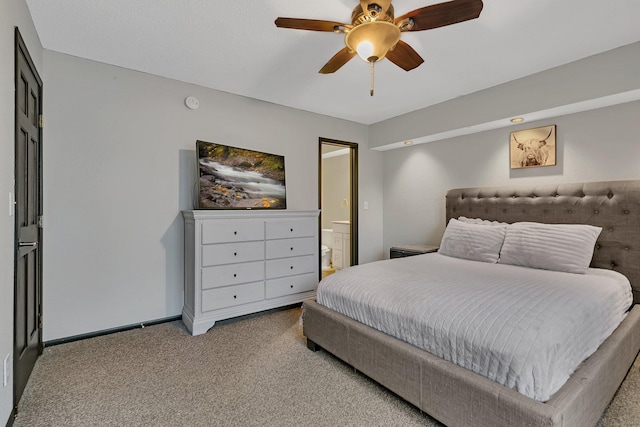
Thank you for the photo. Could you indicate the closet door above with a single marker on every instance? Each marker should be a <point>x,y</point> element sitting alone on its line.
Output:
<point>28,214</point>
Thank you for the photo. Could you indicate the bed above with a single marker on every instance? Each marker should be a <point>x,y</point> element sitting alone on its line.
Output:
<point>458,396</point>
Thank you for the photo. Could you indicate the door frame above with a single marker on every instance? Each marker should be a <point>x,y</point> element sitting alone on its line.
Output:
<point>353,184</point>
<point>21,50</point>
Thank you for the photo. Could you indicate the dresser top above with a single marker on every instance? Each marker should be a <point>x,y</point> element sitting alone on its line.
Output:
<point>247,213</point>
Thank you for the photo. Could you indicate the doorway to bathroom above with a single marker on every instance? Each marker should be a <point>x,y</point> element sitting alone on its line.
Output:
<point>338,204</point>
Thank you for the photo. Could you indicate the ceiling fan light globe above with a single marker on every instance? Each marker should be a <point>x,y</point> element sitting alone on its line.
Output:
<point>365,50</point>
<point>380,36</point>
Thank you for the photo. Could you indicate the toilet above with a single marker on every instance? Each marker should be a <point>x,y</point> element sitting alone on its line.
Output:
<point>327,235</point>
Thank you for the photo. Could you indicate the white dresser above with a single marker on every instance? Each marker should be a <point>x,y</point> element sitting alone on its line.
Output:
<point>241,262</point>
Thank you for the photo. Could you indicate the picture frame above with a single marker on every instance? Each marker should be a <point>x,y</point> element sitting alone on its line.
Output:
<point>533,147</point>
<point>239,178</point>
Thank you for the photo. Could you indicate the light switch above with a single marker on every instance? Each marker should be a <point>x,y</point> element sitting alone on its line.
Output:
<point>5,371</point>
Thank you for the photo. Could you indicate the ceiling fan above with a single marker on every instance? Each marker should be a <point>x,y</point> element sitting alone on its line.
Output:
<point>374,32</point>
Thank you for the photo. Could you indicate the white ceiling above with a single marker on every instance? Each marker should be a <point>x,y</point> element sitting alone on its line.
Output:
<point>234,46</point>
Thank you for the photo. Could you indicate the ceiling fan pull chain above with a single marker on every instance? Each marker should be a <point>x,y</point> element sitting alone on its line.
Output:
<point>372,68</point>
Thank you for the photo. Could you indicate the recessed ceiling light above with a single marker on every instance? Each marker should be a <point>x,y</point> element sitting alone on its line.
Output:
<point>517,120</point>
<point>408,142</point>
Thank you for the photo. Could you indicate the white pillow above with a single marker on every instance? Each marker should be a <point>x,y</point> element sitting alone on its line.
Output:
<point>472,241</point>
<point>558,247</point>
<point>480,221</point>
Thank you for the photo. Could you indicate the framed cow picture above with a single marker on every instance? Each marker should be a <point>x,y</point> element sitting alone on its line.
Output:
<point>533,147</point>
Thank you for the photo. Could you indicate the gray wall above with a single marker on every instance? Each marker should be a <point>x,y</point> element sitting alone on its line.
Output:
<point>591,146</point>
<point>13,13</point>
<point>605,74</point>
<point>119,166</point>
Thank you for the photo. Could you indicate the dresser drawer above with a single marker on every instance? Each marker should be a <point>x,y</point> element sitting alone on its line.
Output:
<point>291,266</point>
<point>213,299</point>
<point>227,253</point>
<point>291,285</point>
<point>295,227</point>
<point>283,248</point>
<point>232,274</point>
<point>232,231</point>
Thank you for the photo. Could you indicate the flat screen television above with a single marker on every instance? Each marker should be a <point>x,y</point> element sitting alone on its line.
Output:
<point>237,178</point>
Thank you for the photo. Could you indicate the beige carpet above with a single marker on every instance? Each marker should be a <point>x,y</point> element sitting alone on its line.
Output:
<point>252,372</point>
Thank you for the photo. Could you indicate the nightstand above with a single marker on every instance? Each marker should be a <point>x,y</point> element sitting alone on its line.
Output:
<point>411,250</point>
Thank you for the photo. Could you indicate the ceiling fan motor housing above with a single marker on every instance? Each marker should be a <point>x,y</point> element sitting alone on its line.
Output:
<point>359,16</point>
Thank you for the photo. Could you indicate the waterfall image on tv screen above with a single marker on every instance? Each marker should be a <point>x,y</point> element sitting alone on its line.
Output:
<point>237,178</point>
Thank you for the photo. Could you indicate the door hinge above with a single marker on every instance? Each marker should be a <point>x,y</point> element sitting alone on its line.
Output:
<point>41,221</point>
<point>40,321</point>
<point>41,121</point>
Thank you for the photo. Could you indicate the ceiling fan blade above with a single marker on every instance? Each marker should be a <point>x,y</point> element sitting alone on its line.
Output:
<point>442,14</point>
<point>404,56</point>
<point>338,60</point>
<point>308,24</point>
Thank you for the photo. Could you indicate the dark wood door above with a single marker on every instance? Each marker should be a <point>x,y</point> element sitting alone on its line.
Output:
<point>28,213</point>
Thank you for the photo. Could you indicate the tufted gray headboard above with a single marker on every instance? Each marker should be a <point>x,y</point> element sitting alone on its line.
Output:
<point>612,205</point>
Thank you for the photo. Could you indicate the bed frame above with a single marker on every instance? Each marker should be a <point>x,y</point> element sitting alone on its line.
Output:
<point>459,397</point>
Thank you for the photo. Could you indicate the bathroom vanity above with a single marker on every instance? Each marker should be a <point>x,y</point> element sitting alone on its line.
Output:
<point>341,246</point>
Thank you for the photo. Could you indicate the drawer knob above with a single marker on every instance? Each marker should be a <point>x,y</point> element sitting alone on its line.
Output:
<point>292,230</point>
<point>235,254</point>
<point>235,233</point>
<point>291,286</point>
<point>291,267</point>
<point>235,296</point>
<point>292,248</point>
<point>235,275</point>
